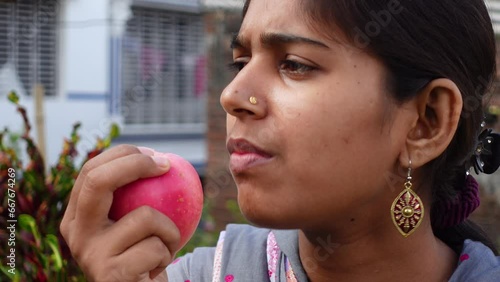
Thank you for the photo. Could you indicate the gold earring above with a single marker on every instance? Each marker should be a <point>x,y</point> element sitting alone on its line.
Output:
<point>253,100</point>
<point>407,210</point>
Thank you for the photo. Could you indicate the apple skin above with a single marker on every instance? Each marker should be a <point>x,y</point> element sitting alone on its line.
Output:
<point>178,194</point>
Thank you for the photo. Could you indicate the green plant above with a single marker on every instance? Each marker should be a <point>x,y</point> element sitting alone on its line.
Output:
<point>37,201</point>
<point>41,199</point>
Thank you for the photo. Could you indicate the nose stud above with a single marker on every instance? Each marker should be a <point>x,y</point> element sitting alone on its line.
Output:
<point>253,100</point>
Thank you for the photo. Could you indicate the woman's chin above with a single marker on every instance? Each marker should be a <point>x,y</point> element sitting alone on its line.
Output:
<point>261,205</point>
<point>266,219</point>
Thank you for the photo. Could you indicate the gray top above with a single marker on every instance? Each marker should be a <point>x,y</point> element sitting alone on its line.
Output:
<point>244,258</point>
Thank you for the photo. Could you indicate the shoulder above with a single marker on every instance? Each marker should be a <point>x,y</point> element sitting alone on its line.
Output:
<point>242,254</point>
<point>245,235</point>
<point>241,248</point>
<point>477,263</point>
<point>196,266</point>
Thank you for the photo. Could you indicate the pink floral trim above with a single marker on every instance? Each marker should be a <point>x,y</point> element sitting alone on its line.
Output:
<point>290,275</point>
<point>218,258</point>
<point>273,252</point>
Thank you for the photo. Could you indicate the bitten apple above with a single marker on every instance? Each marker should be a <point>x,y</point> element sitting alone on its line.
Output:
<point>178,194</point>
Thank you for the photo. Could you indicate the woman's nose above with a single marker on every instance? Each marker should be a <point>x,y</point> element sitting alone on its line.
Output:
<point>244,97</point>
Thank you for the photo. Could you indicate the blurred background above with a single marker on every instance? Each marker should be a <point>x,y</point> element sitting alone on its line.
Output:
<point>155,68</point>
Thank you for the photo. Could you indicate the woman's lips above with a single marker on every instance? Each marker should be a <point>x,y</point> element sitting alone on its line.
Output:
<point>239,162</point>
<point>245,155</point>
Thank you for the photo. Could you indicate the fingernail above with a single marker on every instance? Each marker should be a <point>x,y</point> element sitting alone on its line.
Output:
<point>146,151</point>
<point>161,161</point>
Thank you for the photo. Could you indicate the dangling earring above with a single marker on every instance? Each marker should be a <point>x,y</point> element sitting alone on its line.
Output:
<point>407,210</point>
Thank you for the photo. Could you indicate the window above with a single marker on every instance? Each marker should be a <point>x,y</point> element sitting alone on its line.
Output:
<point>163,68</point>
<point>28,45</point>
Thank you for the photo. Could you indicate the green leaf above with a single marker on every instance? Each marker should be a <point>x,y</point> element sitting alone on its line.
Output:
<point>74,132</point>
<point>107,143</point>
<point>114,131</point>
<point>53,243</point>
<point>13,97</point>
<point>28,223</point>
<point>13,277</point>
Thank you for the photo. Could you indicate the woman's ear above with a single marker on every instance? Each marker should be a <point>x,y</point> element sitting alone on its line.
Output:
<point>438,106</point>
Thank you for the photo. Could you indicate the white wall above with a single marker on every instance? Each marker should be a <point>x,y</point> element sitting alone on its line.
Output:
<point>86,50</point>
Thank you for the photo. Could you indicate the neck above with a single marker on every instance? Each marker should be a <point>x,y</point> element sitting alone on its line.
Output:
<point>379,254</point>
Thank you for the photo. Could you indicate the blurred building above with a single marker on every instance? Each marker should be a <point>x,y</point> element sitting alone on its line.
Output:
<point>141,63</point>
<point>144,64</point>
<point>222,19</point>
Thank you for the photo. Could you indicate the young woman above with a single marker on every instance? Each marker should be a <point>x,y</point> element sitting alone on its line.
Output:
<point>351,126</point>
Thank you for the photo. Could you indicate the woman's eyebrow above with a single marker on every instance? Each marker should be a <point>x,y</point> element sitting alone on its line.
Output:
<point>282,38</point>
<point>271,39</point>
<point>239,43</point>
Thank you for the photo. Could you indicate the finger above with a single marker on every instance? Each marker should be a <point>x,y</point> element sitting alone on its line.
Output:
<point>96,195</point>
<point>156,272</point>
<point>147,256</point>
<point>147,151</point>
<point>142,223</point>
<point>109,155</point>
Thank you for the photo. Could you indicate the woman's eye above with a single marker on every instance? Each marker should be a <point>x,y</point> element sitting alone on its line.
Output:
<point>236,66</point>
<point>294,67</point>
<point>287,66</point>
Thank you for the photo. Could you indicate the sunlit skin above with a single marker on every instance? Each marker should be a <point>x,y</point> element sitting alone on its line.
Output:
<point>338,142</point>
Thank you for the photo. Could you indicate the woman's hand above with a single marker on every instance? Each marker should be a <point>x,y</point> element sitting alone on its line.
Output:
<point>140,245</point>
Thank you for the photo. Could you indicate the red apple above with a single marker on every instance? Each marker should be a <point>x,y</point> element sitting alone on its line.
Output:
<point>177,194</point>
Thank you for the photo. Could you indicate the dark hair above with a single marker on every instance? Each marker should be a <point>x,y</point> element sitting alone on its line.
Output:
<point>419,41</point>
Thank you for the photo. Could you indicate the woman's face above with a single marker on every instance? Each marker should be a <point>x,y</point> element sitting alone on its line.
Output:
<point>328,134</point>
